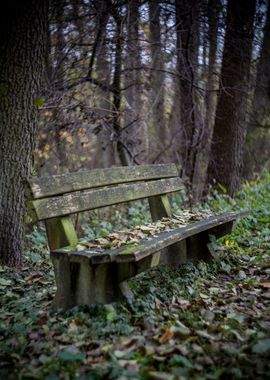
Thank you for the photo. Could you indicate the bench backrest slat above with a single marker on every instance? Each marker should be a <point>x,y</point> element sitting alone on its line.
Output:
<point>66,183</point>
<point>75,202</point>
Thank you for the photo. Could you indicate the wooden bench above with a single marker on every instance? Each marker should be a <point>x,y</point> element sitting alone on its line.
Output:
<point>86,277</point>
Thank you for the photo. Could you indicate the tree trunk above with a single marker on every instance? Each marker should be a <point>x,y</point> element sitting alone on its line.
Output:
<point>102,65</point>
<point>157,130</point>
<point>257,147</point>
<point>58,115</point>
<point>213,9</point>
<point>134,130</point>
<point>261,99</point>
<point>23,44</point>
<point>187,62</point>
<point>230,123</point>
<point>124,157</point>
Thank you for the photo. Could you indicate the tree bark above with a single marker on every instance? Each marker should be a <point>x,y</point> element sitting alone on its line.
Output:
<point>103,70</point>
<point>59,75</point>
<point>124,157</point>
<point>257,146</point>
<point>158,127</point>
<point>202,158</point>
<point>187,62</point>
<point>22,56</point>
<point>230,122</point>
<point>134,127</point>
<point>261,99</point>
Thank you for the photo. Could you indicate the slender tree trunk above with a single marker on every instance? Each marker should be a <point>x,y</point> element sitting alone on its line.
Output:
<point>174,123</point>
<point>213,9</point>
<point>102,66</point>
<point>134,127</point>
<point>158,128</point>
<point>187,56</point>
<point>230,123</point>
<point>58,116</point>
<point>261,99</point>
<point>120,143</point>
<point>257,145</point>
<point>22,46</point>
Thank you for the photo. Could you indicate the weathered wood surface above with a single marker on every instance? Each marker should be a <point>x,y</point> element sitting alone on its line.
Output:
<point>159,207</point>
<point>87,179</point>
<point>212,226</point>
<point>165,239</point>
<point>84,277</point>
<point>67,204</point>
<point>85,284</point>
<point>61,232</point>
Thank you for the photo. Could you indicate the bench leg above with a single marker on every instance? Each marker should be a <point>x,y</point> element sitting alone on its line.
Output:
<point>175,255</point>
<point>86,284</point>
<point>194,248</point>
<point>81,283</point>
<point>62,270</point>
<point>198,246</point>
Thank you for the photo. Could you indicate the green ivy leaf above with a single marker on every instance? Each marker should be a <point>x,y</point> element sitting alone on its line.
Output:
<point>261,347</point>
<point>70,356</point>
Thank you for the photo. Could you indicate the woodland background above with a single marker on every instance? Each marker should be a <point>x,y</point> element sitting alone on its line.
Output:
<point>133,82</point>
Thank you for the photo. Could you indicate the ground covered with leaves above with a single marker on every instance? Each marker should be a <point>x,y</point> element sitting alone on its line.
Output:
<point>194,322</point>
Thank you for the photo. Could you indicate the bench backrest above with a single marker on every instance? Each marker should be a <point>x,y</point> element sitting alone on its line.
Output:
<point>54,198</point>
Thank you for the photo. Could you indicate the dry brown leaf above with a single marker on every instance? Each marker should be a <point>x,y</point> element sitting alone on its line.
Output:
<point>36,277</point>
<point>166,336</point>
<point>265,285</point>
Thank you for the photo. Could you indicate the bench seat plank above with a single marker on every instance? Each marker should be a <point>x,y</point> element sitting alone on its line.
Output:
<point>167,238</point>
<point>92,199</point>
<point>87,179</point>
<point>134,253</point>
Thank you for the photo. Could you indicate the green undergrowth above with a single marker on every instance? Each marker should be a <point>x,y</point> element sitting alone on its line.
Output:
<point>195,322</point>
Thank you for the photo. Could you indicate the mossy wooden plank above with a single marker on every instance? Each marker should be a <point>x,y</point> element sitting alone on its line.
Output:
<point>92,199</point>
<point>80,283</point>
<point>165,239</point>
<point>159,207</point>
<point>64,183</point>
<point>214,225</point>
<point>61,232</point>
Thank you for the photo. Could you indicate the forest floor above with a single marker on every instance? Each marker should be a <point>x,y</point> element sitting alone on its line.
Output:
<point>194,322</point>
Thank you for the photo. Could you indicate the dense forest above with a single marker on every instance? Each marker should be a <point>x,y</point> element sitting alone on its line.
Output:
<point>137,82</point>
<point>103,83</point>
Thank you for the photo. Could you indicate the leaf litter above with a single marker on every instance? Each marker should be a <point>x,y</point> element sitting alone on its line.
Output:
<point>144,231</point>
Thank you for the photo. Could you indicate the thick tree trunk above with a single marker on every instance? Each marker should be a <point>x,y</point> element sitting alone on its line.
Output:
<point>230,123</point>
<point>22,46</point>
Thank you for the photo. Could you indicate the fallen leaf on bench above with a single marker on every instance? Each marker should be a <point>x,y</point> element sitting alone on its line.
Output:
<point>102,241</point>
